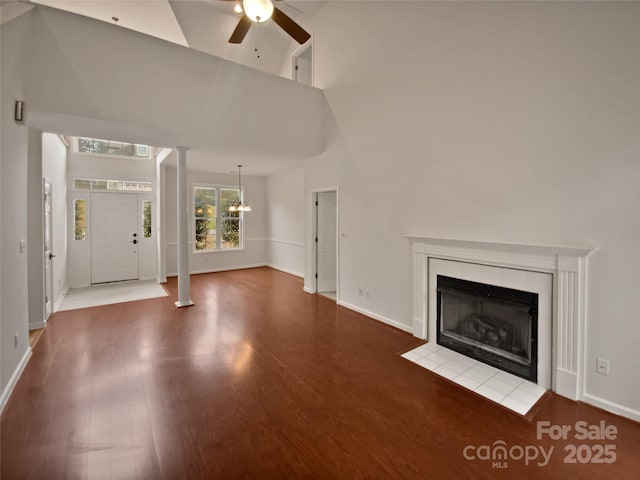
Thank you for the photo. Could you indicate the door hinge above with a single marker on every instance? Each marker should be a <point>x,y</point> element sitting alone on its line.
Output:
<point>316,275</point>
<point>296,68</point>
<point>316,203</point>
<point>316,239</point>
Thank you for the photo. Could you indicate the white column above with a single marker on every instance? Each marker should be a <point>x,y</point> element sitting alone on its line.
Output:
<point>184,297</point>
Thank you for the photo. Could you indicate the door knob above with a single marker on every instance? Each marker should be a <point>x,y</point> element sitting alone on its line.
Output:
<point>51,255</point>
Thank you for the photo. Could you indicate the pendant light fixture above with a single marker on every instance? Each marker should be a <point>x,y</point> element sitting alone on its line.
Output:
<point>239,206</point>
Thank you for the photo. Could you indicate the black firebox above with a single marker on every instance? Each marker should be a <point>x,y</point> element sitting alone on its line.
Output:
<point>495,325</point>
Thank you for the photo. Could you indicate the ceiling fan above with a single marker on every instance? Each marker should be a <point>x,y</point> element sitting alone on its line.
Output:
<point>259,11</point>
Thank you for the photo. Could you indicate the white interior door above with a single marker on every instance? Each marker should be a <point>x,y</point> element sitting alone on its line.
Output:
<point>326,204</point>
<point>114,237</point>
<point>302,66</point>
<point>48,253</point>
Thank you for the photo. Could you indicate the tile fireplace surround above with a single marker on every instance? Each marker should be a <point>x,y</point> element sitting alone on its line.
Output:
<point>568,268</point>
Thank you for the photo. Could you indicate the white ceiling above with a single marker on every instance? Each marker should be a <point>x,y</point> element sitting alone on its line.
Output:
<point>154,17</point>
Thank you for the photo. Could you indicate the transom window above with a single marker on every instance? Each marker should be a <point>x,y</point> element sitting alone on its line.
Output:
<point>215,227</point>
<point>108,147</point>
<point>112,185</point>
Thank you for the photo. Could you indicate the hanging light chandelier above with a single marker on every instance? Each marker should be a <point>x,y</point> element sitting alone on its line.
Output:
<point>239,206</point>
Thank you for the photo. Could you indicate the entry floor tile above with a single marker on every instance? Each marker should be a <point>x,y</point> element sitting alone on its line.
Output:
<point>514,393</point>
<point>110,293</point>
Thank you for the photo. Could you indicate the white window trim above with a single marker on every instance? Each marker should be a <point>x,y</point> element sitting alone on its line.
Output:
<point>192,216</point>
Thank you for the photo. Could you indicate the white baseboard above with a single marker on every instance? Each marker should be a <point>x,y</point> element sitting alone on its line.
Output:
<point>375,316</point>
<point>308,290</point>
<point>223,269</point>
<point>6,394</point>
<point>56,305</point>
<point>286,270</point>
<point>612,407</point>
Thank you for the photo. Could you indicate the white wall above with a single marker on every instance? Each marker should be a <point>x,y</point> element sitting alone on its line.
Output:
<point>13,204</point>
<point>109,167</point>
<point>503,121</point>
<point>255,251</point>
<point>54,167</point>
<point>285,216</point>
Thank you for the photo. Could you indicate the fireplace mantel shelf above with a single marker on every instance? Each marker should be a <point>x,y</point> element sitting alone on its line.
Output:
<point>543,250</point>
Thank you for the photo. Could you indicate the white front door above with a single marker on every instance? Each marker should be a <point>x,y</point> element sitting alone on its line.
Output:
<point>326,241</point>
<point>48,253</point>
<point>114,237</point>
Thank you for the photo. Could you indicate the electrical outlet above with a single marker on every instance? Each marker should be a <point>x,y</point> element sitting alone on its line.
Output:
<point>602,366</point>
<point>366,293</point>
<point>361,292</point>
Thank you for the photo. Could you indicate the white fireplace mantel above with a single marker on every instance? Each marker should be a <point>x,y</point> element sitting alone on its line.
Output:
<point>568,266</point>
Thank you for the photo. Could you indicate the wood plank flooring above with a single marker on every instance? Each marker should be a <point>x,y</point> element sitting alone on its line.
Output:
<point>260,380</point>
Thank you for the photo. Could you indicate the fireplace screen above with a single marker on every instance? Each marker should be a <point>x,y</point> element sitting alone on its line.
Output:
<point>495,325</point>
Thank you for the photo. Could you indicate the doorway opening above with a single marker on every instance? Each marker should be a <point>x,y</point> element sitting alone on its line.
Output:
<point>302,64</point>
<point>48,253</point>
<point>326,242</point>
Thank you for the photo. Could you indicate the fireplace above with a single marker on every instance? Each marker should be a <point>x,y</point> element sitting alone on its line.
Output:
<point>557,274</point>
<point>495,325</point>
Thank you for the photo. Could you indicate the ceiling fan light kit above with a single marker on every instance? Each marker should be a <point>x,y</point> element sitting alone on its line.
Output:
<point>259,11</point>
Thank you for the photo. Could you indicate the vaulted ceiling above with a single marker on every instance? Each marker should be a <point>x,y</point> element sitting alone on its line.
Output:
<point>203,25</point>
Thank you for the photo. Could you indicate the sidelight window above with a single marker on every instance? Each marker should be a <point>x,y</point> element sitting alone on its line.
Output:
<point>146,219</point>
<point>79,219</point>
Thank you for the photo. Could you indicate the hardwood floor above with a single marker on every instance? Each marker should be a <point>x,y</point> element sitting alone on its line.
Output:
<point>260,380</point>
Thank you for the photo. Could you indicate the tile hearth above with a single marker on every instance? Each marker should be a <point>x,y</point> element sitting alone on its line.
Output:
<point>512,392</point>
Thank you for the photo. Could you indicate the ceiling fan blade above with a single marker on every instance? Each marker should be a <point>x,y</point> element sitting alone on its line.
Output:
<point>289,26</point>
<point>241,30</point>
